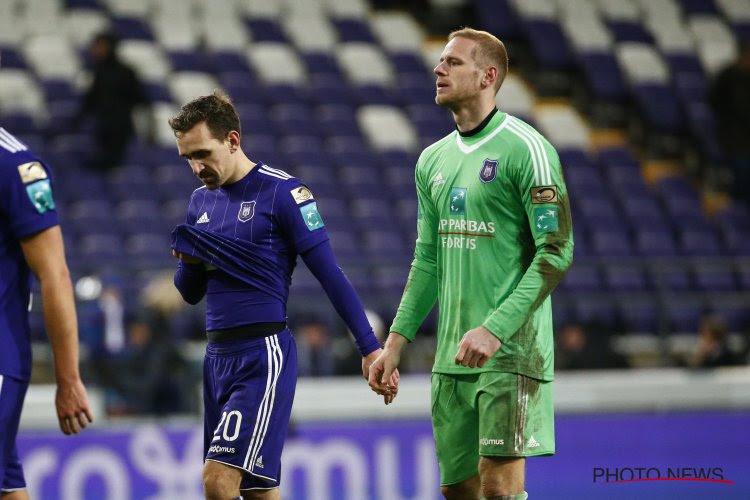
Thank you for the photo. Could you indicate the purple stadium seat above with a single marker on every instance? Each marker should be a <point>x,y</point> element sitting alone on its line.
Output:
<point>388,246</point>
<point>372,212</point>
<point>603,76</point>
<point>286,93</point>
<point>628,31</point>
<point>321,63</point>
<point>416,89</point>
<point>373,93</point>
<point>131,28</point>
<point>617,157</point>
<point>353,30</point>
<point>191,60</point>
<point>733,310</point>
<point>147,251</point>
<point>330,89</point>
<point>655,243</point>
<point>625,278</point>
<point>714,277</point>
<point>667,275</point>
<point>611,242</point>
<point>497,17</point>
<point>698,7</point>
<point>390,279</point>
<point>600,213</point>
<point>157,92</point>
<point>410,63</point>
<point>582,278</point>
<point>20,122</point>
<point>429,119</point>
<point>595,310</point>
<point>659,107</point>
<point>700,243</point>
<point>639,314</point>
<point>266,30</point>
<point>12,58</point>
<point>345,243</point>
<point>684,312</point>
<point>337,120</point>
<point>100,250</point>
<point>683,64</point>
<point>548,43</point>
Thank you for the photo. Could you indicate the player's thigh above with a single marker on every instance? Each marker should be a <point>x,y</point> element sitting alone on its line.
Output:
<point>455,425</point>
<point>502,475</point>
<point>516,415</point>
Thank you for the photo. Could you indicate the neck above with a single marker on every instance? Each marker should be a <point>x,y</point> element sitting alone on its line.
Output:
<point>243,167</point>
<point>469,115</point>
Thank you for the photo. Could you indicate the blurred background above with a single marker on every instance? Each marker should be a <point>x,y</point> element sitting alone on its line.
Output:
<point>646,101</point>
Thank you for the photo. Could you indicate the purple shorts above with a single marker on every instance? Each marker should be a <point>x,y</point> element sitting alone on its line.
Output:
<point>248,390</point>
<point>12,392</point>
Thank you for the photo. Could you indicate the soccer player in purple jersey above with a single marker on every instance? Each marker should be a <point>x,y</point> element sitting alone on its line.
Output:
<point>238,247</point>
<point>31,241</point>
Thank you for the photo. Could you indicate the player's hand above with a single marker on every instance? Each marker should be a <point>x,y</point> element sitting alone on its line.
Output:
<point>383,375</point>
<point>187,259</point>
<point>476,347</point>
<point>72,403</point>
<point>392,386</point>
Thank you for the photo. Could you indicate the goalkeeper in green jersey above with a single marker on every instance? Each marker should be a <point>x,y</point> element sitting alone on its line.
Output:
<point>494,239</point>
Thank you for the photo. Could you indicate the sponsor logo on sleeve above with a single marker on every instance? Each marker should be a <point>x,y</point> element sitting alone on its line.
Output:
<point>489,171</point>
<point>545,219</point>
<point>301,194</point>
<point>247,210</point>
<point>544,194</point>
<point>40,194</point>
<point>31,172</point>
<point>311,216</point>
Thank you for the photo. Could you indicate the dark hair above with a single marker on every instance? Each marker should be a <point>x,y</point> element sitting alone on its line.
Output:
<point>490,51</point>
<point>216,110</point>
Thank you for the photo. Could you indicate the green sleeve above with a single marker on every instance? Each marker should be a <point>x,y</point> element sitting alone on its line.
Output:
<point>551,228</point>
<point>421,288</point>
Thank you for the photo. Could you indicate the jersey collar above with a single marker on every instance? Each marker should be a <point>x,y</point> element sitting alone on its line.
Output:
<point>472,143</point>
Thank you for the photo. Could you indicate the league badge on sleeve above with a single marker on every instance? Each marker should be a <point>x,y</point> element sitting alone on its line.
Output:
<point>311,216</point>
<point>247,210</point>
<point>301,194</point>
<point>40,194</point>
<point>31,172</point>
<point>489,171</point>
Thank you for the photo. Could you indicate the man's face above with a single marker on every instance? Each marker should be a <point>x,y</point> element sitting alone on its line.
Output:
<point>209,158</point>
<point>458,76</point>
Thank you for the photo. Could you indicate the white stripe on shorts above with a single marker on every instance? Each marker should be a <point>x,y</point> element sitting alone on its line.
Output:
<point>274,358</point>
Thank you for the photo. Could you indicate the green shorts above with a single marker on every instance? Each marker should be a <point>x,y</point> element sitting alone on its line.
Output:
<point>494,414</point>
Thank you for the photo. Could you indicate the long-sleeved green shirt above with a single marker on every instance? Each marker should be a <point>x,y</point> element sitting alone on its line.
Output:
<point>494,239</point>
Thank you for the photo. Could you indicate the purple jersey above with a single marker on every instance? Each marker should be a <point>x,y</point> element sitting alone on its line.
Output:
<point>277,215</point>
<point>26,207</point>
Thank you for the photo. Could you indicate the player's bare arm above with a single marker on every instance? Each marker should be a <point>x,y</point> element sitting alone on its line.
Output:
<point>476,347</point>
<point>45,255</point>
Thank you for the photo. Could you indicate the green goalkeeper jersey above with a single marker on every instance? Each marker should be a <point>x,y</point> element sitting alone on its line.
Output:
<point>494,239</point>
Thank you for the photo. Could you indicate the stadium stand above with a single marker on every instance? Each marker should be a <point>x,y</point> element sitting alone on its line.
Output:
<point>339,93</point>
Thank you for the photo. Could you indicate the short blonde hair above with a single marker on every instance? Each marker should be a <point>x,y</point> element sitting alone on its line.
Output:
<point>490,51</point>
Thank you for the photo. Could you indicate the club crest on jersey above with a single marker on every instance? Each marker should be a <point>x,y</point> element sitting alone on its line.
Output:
<point>488,171</point>
<point>247,210</point>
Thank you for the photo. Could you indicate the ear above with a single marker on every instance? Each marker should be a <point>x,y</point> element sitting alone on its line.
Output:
<point>234,140</point>
<point>490,76</point>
